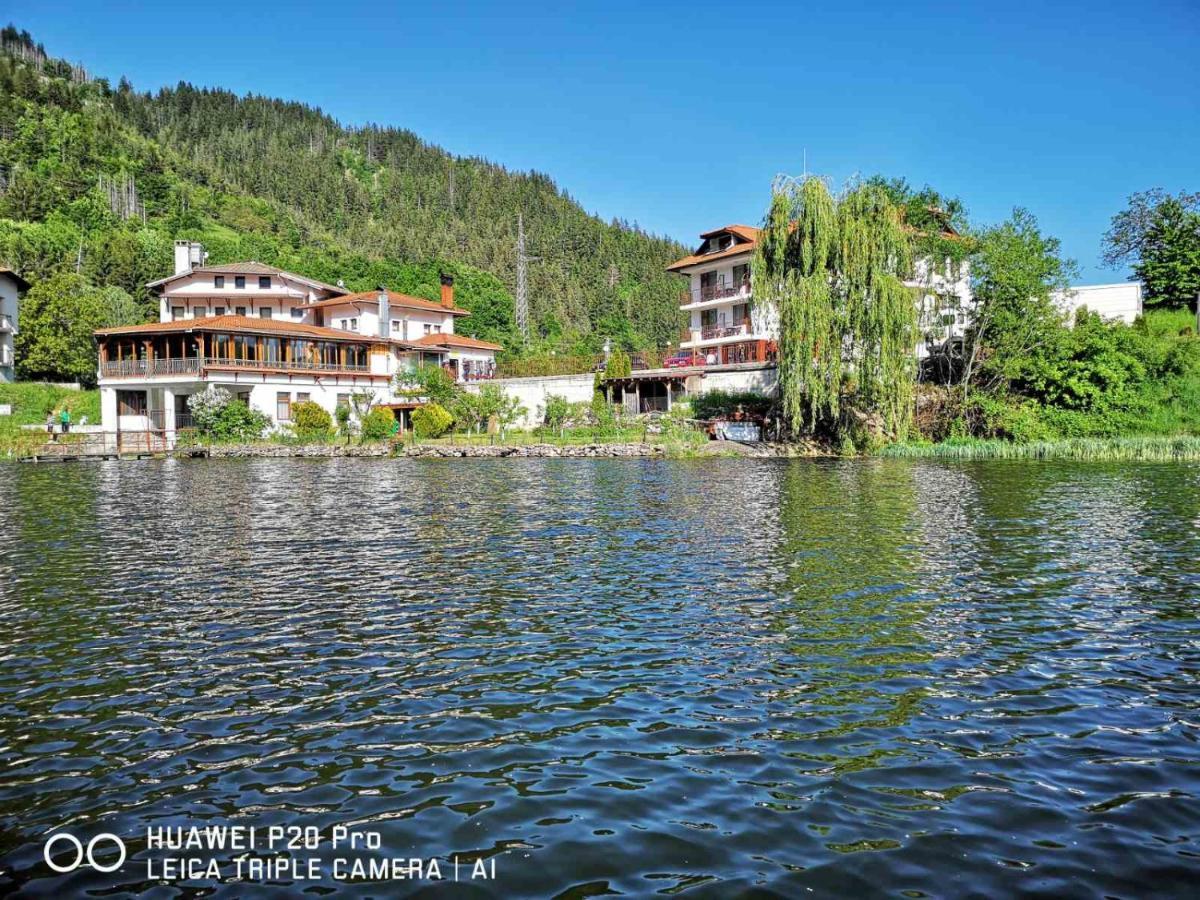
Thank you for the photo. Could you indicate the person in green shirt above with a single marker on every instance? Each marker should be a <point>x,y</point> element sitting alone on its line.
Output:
<point>64,419</point>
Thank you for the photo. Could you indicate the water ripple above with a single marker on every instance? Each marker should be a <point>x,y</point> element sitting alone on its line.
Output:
<point>634,677</point>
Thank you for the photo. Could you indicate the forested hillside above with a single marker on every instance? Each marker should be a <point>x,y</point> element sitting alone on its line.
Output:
<point>98,180</point>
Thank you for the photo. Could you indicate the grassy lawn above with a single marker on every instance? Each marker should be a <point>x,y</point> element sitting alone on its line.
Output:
<point>31,404</point>
<point>1119,449</point>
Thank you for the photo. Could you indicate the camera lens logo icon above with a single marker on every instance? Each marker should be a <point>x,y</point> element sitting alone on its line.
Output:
<point>82,853</point>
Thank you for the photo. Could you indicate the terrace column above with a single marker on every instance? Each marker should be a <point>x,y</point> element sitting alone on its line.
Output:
<point>169,414</point>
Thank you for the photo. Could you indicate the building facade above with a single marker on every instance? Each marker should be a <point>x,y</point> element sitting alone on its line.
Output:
<point>1122,301</point>
<point>12,286</point>
<point>273,339</point>
<point>727,327</point>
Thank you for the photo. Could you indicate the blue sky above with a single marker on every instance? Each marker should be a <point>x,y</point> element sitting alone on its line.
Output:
<point>678,115</point>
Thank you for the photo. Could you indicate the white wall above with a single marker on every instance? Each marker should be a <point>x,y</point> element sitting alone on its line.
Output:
<point>532,392</point>
<point>8,307</point>
<point>1112,301</point>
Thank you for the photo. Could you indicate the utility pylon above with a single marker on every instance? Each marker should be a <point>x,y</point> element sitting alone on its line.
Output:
<point>523,261</point>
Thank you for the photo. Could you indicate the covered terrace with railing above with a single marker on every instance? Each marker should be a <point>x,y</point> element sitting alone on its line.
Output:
<point>167,350</point>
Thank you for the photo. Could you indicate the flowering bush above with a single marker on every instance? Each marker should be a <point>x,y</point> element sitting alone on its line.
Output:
<point>218,415</point>
<point>207,407</point>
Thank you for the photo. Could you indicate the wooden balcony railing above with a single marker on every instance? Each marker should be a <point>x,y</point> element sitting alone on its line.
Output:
<point>141,368</point>
<point>709,293</point>
<point>191,365</point>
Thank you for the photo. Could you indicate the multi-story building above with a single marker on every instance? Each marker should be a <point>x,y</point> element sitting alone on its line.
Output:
<point>273,338</point>
<point>725,326</point>
<point>728,327</point>
<point>11,287</point>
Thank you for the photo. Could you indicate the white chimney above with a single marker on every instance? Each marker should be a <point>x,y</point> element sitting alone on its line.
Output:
<point>385,312</point>
<point>188,255</point>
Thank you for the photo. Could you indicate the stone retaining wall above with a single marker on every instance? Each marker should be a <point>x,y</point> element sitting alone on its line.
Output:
<point>451,451</point>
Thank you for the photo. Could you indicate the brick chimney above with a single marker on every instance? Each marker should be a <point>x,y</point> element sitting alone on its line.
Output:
<point>447,291</point>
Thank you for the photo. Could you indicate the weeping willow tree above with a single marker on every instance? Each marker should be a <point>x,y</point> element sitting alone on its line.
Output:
<point>834,269</point>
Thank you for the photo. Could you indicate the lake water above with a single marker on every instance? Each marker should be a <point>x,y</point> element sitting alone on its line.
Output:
<point>718,677</point>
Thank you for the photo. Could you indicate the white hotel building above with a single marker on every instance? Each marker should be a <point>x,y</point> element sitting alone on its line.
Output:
<point>11,286</point>
<point>273,338</point>
<point>727,328</point>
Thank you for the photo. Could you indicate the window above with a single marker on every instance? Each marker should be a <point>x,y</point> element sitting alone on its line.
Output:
<point>218,281</point>
<point>239,281</point>
<point>283,406</point>
<point>428,328</point>
<point>264,282</point>
<point>397,331</point>
<point>343,400</point>
<point>240,310</point>
<point>266,313</point>
<point>131,403</point>
<point>244,396</point>
<point>297,312</point>
<point>437,329</point>
<point>199,312</point>
<point>302,398</point>
<point>218,310</point>
<point>177,312</point>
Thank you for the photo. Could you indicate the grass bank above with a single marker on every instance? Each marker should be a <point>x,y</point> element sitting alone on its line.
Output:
<point>1118,449</point>
<point>31,403</point>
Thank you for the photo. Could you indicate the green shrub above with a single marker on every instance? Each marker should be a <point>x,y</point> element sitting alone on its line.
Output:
<point>431,420</point>
<point>310,421</point>
<point>716,404</point>
<point>379,424</point>
<point>603,417</point>
<point>345,427</point>
<point>238,422</point>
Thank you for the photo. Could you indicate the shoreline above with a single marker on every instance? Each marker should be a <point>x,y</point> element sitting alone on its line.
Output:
<point>632,450</point>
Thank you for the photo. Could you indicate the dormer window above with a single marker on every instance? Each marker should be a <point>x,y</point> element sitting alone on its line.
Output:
<point>264,282</point>
<point>218,281</point>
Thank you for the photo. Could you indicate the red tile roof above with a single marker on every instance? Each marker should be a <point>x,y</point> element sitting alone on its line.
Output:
<point>240,324</point>
<point>745,240</point>
<point>402,300</point>
<point>456,340</point>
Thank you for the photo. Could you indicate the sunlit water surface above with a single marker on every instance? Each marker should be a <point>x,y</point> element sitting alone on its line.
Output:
<point>719,678</point>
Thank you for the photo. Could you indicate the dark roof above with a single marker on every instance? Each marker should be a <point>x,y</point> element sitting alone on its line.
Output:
<point>22,284</point>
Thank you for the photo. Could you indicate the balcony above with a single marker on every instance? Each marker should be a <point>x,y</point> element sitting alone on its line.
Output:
<point>718,332</point>
<point>195,366</point>
<point>6,324</point>
<point>716,293</point>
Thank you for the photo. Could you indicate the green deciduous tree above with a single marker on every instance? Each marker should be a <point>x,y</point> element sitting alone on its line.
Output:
<point>429,382</point>
<point>1014,273</point>
<point>58,316</point>
<point>1159,235</point>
